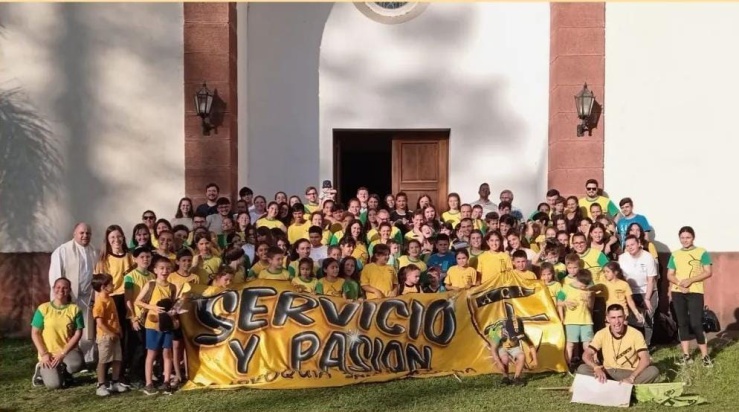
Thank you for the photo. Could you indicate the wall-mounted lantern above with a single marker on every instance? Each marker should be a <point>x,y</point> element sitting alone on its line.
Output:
<point>203,105</point>
<point>584,103</point>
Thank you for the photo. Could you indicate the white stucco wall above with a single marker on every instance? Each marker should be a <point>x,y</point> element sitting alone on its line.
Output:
<point>95,130</point>
<point>281,73</point>
<point>671,88</point>
<point>481,70</point>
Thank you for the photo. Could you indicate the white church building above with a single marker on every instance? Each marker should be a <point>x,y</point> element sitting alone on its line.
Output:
<point>97,121</point>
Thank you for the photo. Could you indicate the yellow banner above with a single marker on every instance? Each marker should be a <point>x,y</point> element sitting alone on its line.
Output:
<point>265,334</point>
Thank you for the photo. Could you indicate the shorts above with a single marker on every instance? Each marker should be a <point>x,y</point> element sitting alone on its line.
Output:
<point>156,340</point>
<point>109,349</point>
<point>512,353</point>
<point>579,333</point>
<point>177,335</point>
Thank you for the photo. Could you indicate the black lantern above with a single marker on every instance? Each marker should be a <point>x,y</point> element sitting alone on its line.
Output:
<point>203,104</point>
<point>584,103</point>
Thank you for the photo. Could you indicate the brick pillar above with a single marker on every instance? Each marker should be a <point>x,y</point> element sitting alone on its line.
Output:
<point>210,56</point>
<point>577,55</point>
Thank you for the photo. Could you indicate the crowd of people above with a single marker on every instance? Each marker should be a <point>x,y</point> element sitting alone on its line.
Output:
<point>118,306</point>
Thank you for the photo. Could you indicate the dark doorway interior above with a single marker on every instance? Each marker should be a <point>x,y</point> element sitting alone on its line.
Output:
<point>362,158</point>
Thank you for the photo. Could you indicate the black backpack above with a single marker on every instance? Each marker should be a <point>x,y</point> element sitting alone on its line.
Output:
<point>664,328</point>
<point>710,321</point>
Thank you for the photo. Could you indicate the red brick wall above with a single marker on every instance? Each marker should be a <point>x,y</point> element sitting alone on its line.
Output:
<point>210,56</point>
<point>24,284</point>
<point>577,55</point>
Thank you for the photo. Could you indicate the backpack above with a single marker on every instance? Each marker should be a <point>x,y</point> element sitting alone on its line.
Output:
<point>164,321</point>
<point>710,321</point>
<point>664,328</point>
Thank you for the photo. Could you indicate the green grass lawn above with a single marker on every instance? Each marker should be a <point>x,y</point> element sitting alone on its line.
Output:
<point>718,385</point>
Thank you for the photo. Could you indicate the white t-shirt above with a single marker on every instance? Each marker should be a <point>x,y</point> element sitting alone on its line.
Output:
<point>637,270</point>
<point>319,253</point>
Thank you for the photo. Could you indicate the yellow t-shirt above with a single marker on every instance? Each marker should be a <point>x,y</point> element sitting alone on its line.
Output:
<point>328,288</point>
<point>406,260</point>
<point>116,266</point>
<point>311,207</point>
<point>182,283</point>
<point>383,278</point>
<point>294,268</point>
<point>580,314</point>
<point>360,253</point>
<point>271,224</point>
<point>594,260</point>
<point>373,235</point>
<point>608,207</point>
<point>296,232</point>
<point>567,280</point>
<point>451,217</point>
<point>206,268</point>
<point>526,274</point>
<point>480,225</point>
<point>257,269</point>
<point>554,288</point>
<point>326,239</point>
<point>459,277</point>
<point>57,324</point>
<point>474,257</point>
<point>158,293</point>
<point>303,286</point>
<point>688,263</point>
<point>492,264</point>
<point>134,281</point>
<point>104,308</point>
<point>213,290</point>
<point>617,291</point>
<point>336,237</point>
<point>282,274</point>
<point>619,353</point>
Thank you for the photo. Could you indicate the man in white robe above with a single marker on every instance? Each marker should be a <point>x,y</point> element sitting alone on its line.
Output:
<point>75,260</point>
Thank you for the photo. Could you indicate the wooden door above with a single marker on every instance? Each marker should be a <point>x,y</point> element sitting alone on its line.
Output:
<point>421,166</point>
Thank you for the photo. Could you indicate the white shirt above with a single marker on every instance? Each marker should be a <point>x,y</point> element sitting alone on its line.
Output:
<point>637,270</point>
<point>487,206</point>
<point>57,268</point>
<point>319,253</point>
<point>249,251</point>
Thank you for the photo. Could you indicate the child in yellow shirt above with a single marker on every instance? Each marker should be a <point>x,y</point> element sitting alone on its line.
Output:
<point>205,264</point>
<point>108,337</point>
<point>306,280</point>
<point>520,264</point>
<point>331,284</point>
<point>575,311</point>
<point>461,276</point>
<point>547,276</point>
<point>618,290</point>
<point>275,270</point>
<point>262,260</point>
<point>378,279</point>
<point>409,278</point>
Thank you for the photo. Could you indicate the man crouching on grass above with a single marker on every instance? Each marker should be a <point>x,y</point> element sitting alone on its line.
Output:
<point>625,355</point>
<point>507,338</point>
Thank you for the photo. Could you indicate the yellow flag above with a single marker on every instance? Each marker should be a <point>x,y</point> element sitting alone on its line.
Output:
<point>266,334</point>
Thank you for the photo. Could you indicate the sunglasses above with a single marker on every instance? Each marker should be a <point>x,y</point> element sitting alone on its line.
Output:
<point>149,218</point>
<point>590,189</point>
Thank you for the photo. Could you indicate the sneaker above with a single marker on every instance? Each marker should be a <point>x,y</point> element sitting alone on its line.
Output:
<point>126,385</point>
<point>707,362</point>
<point>37,380</point>
<point>166,389</point>
<point>102,390</point>
<point>150,390</point>
<point>518,382</point>
<point>685,360</point>
<point>117,387</point>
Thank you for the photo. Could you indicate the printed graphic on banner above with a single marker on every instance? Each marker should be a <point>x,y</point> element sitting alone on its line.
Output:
<point>265,334</point>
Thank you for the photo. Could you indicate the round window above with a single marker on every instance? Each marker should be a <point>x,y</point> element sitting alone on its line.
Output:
<point>391,12</point>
